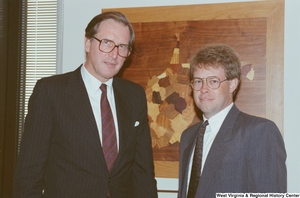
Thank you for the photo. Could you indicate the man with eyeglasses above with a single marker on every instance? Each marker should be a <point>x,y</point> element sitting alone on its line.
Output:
<point>86,133</point>
<point>239,153</point>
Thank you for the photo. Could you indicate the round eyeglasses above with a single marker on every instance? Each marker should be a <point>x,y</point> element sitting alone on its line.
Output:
<point>212,82</point>
<point>107,46</point>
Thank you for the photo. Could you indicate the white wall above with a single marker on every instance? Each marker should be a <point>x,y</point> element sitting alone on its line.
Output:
<point>77,13</point>
<point>292,93</point>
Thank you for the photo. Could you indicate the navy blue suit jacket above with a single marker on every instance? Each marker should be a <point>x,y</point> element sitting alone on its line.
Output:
<point>61,152</point>
<point>247,155</point>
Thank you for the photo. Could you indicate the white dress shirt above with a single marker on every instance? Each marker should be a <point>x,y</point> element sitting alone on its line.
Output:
<point>92,85</point>
<point>211,132</point>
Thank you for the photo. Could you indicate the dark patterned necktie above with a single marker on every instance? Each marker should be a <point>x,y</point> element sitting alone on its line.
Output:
<point>109,140</point>
<point>197,161</point>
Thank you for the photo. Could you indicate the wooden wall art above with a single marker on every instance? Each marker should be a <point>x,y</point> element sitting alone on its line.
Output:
<point>166,39</point>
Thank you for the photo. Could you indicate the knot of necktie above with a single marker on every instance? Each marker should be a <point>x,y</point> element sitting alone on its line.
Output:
<point>204,124</point>
<point>103,88</point>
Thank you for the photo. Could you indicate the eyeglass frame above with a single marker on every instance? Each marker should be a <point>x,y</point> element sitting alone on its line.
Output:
<point>202,80</point>
<point>100,41</point>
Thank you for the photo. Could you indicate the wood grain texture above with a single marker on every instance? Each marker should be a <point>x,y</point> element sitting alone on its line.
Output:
<point>254,29</point>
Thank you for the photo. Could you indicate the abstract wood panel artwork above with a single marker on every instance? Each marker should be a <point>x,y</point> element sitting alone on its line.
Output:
<point>166,42</point>
<point>160,64</point>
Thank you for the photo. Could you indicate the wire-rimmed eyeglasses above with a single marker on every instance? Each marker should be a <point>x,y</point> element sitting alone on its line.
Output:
<point>212,82</point>
<point>107,46</point>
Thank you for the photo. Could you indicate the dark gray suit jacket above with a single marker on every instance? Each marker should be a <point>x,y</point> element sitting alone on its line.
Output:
<point>61,153</point>
<point>247,155</point>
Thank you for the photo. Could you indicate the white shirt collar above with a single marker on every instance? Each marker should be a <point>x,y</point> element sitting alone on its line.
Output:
<point>216,121</point>
<point>92,83</point>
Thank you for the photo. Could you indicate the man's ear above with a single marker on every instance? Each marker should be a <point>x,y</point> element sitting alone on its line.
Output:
<point>233,85</point>
<point>87,44</point>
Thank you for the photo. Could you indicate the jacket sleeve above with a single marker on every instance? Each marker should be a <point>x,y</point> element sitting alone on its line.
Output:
<point>267,155</point>
<point>35,142</point>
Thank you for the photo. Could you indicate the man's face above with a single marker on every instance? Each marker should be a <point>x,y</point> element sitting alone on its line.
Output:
<point>210,101</point>
<point>104,66</point>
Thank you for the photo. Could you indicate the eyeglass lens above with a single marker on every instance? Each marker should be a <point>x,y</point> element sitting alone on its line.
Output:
<point>212,82</point>
<point>108,46</point>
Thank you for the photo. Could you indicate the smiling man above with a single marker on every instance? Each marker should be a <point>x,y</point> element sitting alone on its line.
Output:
<point>86,133</point>
<point>229,151</point>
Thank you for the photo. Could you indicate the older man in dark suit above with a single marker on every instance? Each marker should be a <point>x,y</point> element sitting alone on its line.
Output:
<point>83,141</point>
<point>239,153</point>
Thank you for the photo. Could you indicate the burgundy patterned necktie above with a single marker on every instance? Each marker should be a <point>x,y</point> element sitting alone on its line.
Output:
<point>109,140</point>
<point>197,162</point>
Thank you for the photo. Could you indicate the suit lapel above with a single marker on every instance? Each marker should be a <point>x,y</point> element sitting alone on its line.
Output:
<point>187,148</point>
<point>79,102</point>
<point>217,151</point>
<point>123,115</point>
